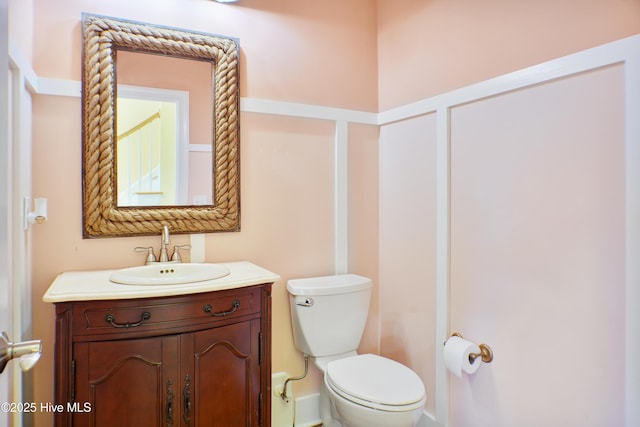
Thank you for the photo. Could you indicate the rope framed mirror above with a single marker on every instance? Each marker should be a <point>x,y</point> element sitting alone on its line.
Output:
<point>103,38</point>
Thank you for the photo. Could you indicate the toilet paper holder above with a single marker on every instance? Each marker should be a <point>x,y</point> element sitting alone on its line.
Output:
<point>486,354</point>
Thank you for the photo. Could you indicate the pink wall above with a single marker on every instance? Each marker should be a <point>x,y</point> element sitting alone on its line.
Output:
<point>291,51</point>
<point>427,48</point>
<point>303,52</point>
<point>363,220</point>
<point>556,280</point>
<point>287,219</point>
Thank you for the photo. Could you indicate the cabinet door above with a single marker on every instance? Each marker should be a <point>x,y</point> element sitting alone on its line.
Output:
<point>221,375</point>
<point>126,382</point>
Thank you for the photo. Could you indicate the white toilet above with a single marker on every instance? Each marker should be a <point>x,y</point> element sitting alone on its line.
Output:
<point>328,316</point>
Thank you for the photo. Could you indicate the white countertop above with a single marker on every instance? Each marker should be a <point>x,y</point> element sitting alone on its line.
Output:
<point>95,285</point>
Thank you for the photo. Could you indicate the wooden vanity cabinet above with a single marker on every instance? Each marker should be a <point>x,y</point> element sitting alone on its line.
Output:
<point>200,360</point>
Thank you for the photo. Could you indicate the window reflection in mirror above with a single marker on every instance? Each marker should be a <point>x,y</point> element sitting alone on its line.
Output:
<point>148,146</point>
<point>164,131</point>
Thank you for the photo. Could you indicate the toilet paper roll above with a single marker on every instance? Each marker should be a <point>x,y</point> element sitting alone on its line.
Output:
<point>456,356</point>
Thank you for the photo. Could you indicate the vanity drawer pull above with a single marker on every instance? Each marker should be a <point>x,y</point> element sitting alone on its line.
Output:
<point>138,317</point>
<point>110,318</point>
<point>209,309</point>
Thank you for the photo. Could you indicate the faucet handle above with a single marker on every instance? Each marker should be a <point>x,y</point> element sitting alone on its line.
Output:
<point>150,256</point>
<point>176,252</point>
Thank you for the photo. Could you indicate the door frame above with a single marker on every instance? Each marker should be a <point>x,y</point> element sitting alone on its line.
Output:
<point>6,297</point>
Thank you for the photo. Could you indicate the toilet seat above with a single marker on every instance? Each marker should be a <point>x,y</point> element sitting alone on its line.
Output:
<point>376,382</point>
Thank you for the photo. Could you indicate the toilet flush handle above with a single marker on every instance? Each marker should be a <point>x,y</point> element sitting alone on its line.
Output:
<point>306,302</point>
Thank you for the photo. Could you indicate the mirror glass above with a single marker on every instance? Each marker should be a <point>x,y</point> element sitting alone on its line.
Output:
<point>161,131</point>
<point>164,141</point>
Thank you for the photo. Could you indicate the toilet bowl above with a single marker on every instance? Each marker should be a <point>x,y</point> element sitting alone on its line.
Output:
<point>328,318</point>
<point>373,391</point>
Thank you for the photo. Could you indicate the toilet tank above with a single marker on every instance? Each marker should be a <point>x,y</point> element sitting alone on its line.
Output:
<point>328,313</point>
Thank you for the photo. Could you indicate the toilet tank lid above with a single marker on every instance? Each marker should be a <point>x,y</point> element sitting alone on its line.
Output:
<point>329,285</point>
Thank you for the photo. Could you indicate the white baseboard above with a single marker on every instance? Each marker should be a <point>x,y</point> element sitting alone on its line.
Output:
<point>428,420</point>
<point>307,411</point>
<point>303,411</point>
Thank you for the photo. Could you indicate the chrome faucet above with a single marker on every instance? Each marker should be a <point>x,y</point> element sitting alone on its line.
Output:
<point>166,240</point>
<point>164,255</point>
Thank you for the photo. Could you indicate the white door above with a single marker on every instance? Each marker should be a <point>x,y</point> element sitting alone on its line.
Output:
<point>5,291</point>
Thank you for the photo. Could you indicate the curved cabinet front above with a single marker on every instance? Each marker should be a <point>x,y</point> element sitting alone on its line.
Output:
<point>184,361</point>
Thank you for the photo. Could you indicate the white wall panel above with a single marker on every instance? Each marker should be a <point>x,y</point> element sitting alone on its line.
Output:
<point>407,253</point>
<point>537,225</point>
<point>538,253</point>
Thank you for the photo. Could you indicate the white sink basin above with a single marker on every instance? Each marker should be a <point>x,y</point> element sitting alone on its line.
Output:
<point>169,274</point>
